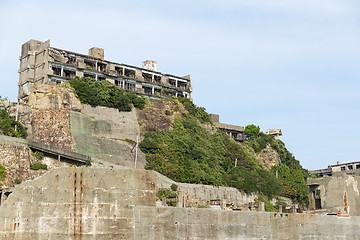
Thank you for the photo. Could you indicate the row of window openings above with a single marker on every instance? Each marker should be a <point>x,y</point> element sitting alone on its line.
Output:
<point>90,65</point>
<point>350,167</point>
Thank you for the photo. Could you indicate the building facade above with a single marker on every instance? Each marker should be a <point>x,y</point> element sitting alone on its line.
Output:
<point>42,64</point>
<point>335,189</point>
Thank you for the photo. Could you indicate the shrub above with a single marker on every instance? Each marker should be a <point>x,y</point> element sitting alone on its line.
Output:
<point>195,111</point>
<point>88,162</point>
<point>37,166</point>
<point>189,153</point>
<point>104,93</point>
<point>38,155</point>
<point>174,187</point>
<point>167,193</point>
<point>2,172</point>
<point>17,181</point>
<point>8,125</point>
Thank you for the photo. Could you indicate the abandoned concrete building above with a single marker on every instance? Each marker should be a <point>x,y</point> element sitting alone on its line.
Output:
<point>276,132</point>
<point>350,167</point>
<point>336,189</point>
<point>235,132</point>
<point>42,64</point>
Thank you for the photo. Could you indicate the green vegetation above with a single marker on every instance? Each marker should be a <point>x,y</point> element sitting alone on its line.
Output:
<point>268,206</point>
<point>10,127</point>
<point>37,166</point>
<point>251,131</point>
<point>290,172</point>
<point>167,193</point>
<point>88,162</point>
<point>174,187</point>
<point>189,153</point>
<point>38,155</point>
<point>17,181</point>
<point>104,93</point>
<point>195,111</point>
<point>2,173</point>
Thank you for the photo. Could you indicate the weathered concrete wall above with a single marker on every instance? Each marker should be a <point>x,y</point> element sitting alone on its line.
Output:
<point>200,195</point>
<point>89,203</point>
<point>105,133</point>
<point>335,191</point>
<point>77,203</point>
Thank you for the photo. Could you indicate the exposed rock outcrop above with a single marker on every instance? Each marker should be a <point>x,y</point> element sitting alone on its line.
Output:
<point>268,157</point>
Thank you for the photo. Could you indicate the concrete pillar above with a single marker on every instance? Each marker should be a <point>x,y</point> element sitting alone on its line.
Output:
<point>176,83</point>
<point>62,71</point>
<point>179,202</point>
<point>153,91</point>
<point>261,207</point>
<point>222,204</point>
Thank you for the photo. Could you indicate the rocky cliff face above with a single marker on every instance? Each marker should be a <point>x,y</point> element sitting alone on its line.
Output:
<point>268,157</point>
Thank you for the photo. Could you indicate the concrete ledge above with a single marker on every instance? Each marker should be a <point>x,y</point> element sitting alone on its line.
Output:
<point>12,141</point>
<point>60,152</point>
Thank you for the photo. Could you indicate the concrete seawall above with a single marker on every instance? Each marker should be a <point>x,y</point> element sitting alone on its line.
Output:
<point>91,203</point>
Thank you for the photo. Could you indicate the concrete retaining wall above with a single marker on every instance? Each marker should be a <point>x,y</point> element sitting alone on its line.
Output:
<point>107,134</point>
<point>90,203</point>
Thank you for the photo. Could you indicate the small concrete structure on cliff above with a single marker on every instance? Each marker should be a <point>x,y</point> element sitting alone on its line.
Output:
<point>235,132</point>
<point>41,64</point>
<point>276,132</point>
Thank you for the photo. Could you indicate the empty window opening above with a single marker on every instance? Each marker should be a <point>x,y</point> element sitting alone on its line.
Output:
<point>172,82</point>
<point>56,70</point>
<point>119,83</point>
<point>119,71</point>
<point>89,75</point>
<point>157,92</point>
<point>101,67</point>
<point>69,74</point>
<point>343,168</point>
<point>157,79</point>
<point>350,167</point>
<point>357,166</point>
<point>129,86</point>
<point>182,85</point>
<point>71,60</point>
<point>90,65</point>
<point>130,73</point>
<point>147,90</point>
<point>147,77</point>
<point>101,78</point>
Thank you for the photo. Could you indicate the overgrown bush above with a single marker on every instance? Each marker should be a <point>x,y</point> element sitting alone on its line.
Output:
<point>174,187</point>
<point>37,166</point>
<point>2,172</point>
<point>291,174</point>
<point>195,111</point>
<point>167,193</point>
<point>8,126</point>
<point>38,155</point>
<point>189,153</point>
<point>104,93</point>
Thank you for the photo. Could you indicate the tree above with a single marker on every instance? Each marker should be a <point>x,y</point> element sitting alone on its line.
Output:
<point>251,130</point>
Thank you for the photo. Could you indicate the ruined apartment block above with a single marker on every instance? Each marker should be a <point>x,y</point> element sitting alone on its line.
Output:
<point>42,64</point>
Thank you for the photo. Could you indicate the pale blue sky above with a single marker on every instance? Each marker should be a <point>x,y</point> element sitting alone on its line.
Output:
<point>283,64</point>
